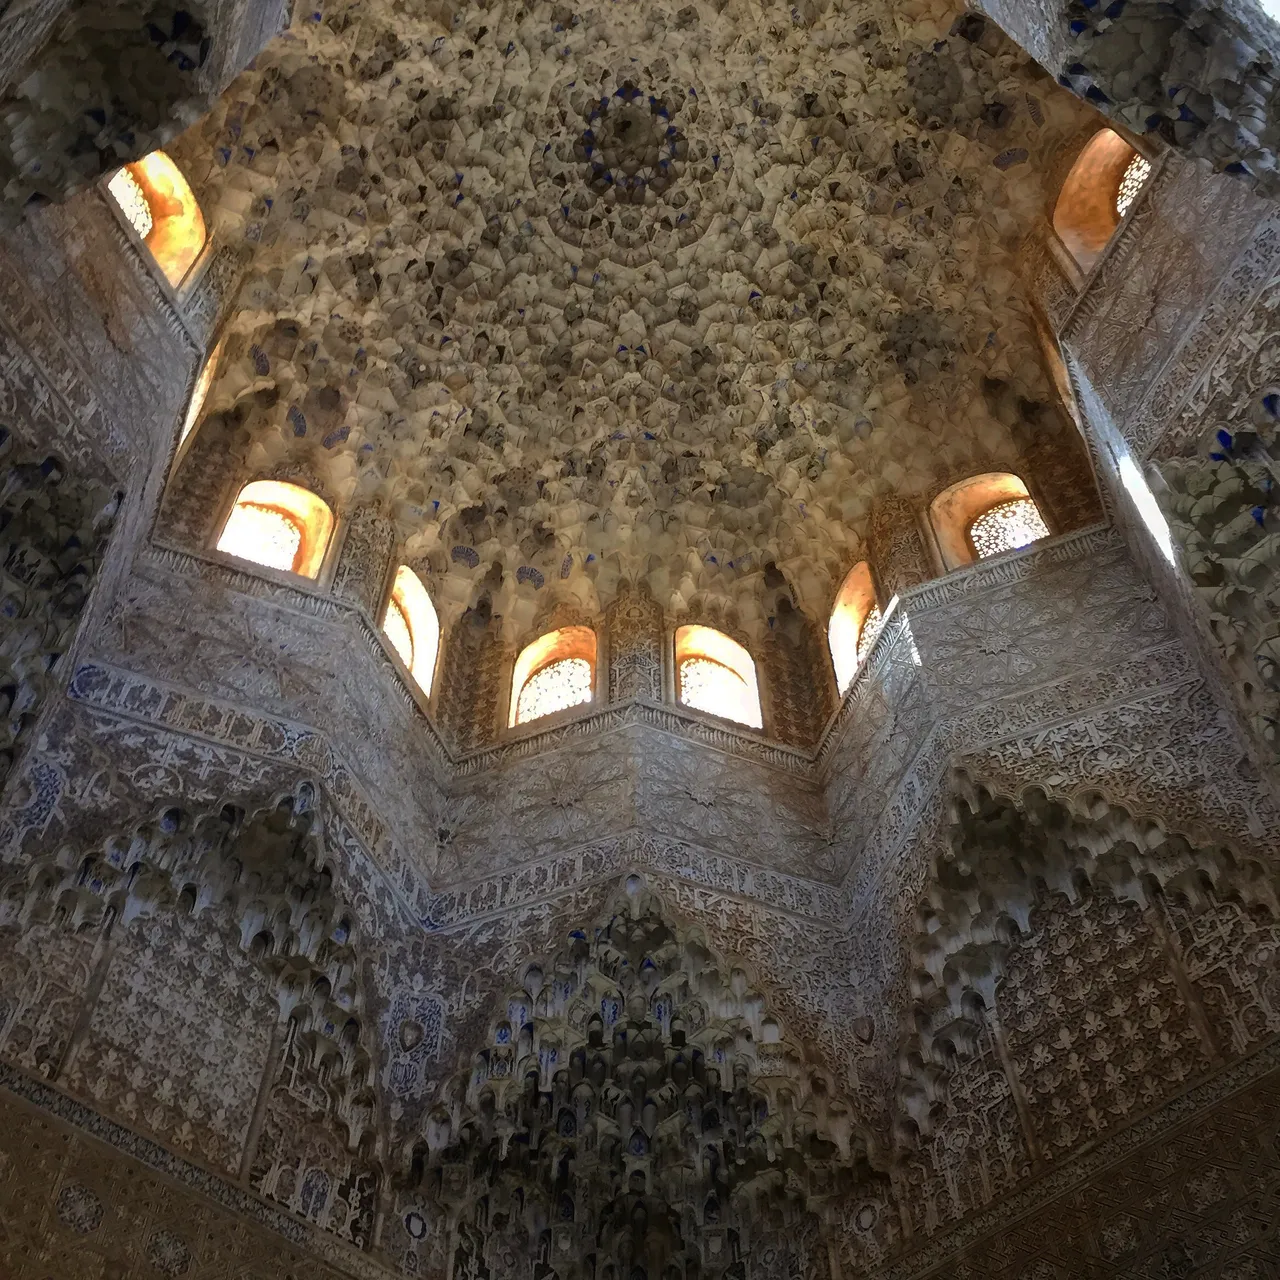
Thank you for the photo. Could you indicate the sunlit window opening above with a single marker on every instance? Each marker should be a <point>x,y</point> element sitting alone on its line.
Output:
<point>717,675</point>
<point>128,194</point>
<point>553,673</point>
<point>1134,179</point>
<point>201,393</point>
<point>412,626</point>
<point>1100,189</point>
<point>279,526</point>
<point>983,516</point>
<point>396,627</point>
<point>1007,527</point>
<point>870,630</point>
<point>855,623</point>
<point>263,534</point>
<point>161,207</point>
<point>566,683</point>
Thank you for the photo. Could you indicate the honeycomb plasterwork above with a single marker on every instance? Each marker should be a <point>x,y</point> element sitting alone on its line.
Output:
<point>1112,1186</point>
<point>748,372</point>
<point>366,933</point>
<point>136,72</point>
<point>1200,76</point>
<point>608,996</point>
<point>779,942</point>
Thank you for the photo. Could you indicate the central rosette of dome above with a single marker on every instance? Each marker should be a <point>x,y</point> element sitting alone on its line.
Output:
<point>631,148</point>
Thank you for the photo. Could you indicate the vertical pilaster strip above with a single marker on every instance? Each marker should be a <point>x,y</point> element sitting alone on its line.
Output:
<point>103,953</point>
<point>270,1070</point>
<point>1186,988</point>
<point>1020,1102</point>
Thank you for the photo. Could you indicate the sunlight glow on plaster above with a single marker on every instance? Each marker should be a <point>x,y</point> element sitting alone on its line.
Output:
<point>1148,508</point>
<point>717,675</point>
<point>279,526</point>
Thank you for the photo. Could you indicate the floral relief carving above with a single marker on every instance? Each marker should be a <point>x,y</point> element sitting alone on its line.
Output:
<point>972,974</point>
<point>178,1039</point>
<point>1096,1027</point>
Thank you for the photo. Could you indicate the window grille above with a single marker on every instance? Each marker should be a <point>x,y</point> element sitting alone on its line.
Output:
<point>1134,179</point>
<point>1006,527</point>
<point>127,192</point>
<point>262,534</point>
<point>558,685</point>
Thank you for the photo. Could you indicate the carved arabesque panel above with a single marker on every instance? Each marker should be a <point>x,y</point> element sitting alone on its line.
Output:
<point>976,1151</point>
<point>304,1160</point>
<point>365,560</point>
<point>896,547</point>
<point>635,624</point>
<point>177,1039</point>
<point>44,973</point>
<point>1232,957</point>
<point>1097,1028</point>
<point>469,678</point>
<point>1044,934</point>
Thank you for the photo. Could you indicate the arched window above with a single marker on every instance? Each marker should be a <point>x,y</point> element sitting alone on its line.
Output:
<point>411,625</point>
<point>1098,192</point>
<point>855,623</point>
<point>162,209</point>
<point>717,675</point>
<point>279,526</point>
<point>984,516</point>
<point>554,672</point>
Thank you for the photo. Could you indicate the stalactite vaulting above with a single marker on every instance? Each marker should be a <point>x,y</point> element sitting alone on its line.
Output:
<point>639,641</point>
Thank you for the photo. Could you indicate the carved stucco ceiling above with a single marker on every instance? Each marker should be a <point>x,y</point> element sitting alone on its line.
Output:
<point>664,291</point>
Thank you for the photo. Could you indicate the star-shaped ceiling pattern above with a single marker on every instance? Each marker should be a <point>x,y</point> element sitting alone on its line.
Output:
<point>657,291</point>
